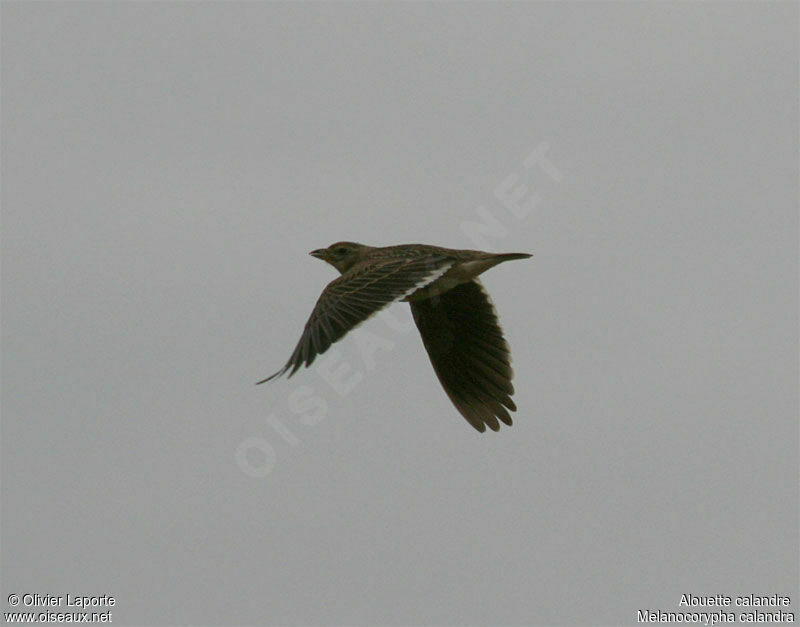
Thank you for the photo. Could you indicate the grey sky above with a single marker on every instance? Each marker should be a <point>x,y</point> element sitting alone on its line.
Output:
<point>166,169</point>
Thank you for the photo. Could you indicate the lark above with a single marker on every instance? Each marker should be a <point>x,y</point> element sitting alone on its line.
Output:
<point>453,312</point>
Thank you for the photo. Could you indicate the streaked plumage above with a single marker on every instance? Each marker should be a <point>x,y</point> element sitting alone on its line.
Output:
<point>452,311</point>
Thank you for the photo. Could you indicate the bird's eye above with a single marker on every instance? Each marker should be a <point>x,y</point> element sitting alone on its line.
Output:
<point>341,250</point>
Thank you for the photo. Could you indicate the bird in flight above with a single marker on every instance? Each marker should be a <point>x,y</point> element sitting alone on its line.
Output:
<point>452,311</point>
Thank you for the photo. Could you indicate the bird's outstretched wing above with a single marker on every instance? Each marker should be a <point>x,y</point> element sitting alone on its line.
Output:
<point>355,296</point>
<point>469,353</point>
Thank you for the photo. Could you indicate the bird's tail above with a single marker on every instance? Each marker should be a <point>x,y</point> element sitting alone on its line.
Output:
<point>512,256</point>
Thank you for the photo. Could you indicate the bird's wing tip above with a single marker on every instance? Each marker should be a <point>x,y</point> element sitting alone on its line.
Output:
<point>271,377</point>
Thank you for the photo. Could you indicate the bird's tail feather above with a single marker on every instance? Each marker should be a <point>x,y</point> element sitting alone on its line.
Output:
<point>512,256</point>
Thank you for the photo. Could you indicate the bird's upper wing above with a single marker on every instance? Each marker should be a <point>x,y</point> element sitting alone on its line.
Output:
<point>469,353</point>
<point>355,296</point>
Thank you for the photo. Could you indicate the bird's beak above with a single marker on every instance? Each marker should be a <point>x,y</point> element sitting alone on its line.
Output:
<point>319,253</point>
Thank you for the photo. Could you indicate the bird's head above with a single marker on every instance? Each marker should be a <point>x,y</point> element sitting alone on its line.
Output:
<point>341,255</point>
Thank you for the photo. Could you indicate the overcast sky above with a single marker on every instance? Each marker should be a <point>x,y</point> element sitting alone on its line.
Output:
<point>166,169</point>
